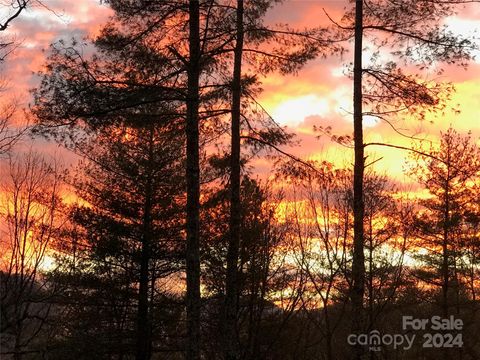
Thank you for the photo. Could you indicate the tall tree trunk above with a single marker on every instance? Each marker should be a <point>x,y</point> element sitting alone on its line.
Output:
<point>232,351</point>
<point>370,282</point>
<point>193,186</point>
<point>445,251</point>
<point>143,323</point>
<point>370,277</point>
<point>358,265</point>
<point>445,240</point>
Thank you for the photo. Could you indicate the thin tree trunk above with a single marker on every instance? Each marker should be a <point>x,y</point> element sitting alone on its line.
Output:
<point>445,240</point>
<point>445,276</point>
<point>445,251</point>
<point>358,261</point>
<point>232,351</point>
<point>328,332</point>
<point>17,354</point>
<point>193,186</point>
<point>370,281</point>
<point>143,323</point>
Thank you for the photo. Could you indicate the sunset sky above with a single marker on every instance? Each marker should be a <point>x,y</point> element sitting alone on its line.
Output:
<point>151,237</point>
<point>319,95</point>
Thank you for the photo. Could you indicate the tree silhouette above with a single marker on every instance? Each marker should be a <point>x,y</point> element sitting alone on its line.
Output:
<point>128,232</point>
<point>412,33</point>
<point>448,173</point>
<point>32,214</point>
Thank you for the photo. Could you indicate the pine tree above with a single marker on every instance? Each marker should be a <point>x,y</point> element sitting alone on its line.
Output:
<point>128,237</point>
<point>449,173</point>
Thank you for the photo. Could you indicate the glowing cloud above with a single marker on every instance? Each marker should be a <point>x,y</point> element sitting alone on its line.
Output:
<point>293,111</point>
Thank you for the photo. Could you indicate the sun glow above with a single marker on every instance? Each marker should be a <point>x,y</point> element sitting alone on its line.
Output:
<point>294,111</point>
